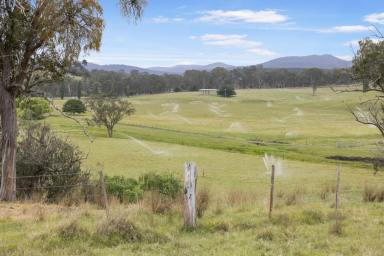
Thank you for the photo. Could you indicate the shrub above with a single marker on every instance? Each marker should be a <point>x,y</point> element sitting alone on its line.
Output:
<point>47,164</point>
<point>226,91</point>
<point>74,106</point>
<point>127,190</point>
<point>72,231</point>
<point>167,184</point>
<point>33,108</point>
<point>118,229</point>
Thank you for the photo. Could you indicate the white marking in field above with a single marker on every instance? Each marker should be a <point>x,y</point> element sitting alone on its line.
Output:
<point>195,102</point>
<point>299,98</point>
<point>269,104</point>
<point>236,127</point>
<point>281,120</point>
<point>217,109</point>
<point>182,118</point>
<point>172,107</point>
<point>146,146</point>
<point>153,116</point>
<point>291,134</point>
<point>298,111</point>
<point>327,98</point>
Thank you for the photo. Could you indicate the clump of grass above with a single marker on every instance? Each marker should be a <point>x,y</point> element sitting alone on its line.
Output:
<point>266,235</point>
<point>326,189</point>
<point>336,228</point>
<point>40,214</point>
<point>158,203</point>
<point>294,197</point>
<point>373,193</point>
<point>245,226</point>
<point>72,231</point>
<point>202,202</point>
<point>282,219</point>
<point>119,229</point>
<point>312,217</point>
<point>240,198</point>
<point>218,226</point>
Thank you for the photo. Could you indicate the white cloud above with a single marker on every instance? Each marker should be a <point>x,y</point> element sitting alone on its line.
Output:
<point>375,18</point>
<point>355,43</point>
<point>350,29</point>
<point>163,20</point>
<point>262,52</point>
<point>160,20</point>
<point>248,16</point>
<point>345,57</point>
<point>178,19</point>
<point>233,40</point>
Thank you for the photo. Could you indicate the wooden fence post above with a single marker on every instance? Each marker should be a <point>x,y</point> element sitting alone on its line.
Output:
<point>272,191</point>
<point>190,182</point>
<point>104,192</point>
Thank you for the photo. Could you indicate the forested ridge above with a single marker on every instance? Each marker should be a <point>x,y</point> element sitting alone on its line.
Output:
<point>82,82</point>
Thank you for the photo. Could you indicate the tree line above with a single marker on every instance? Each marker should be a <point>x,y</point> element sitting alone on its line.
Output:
<point>82,82</point>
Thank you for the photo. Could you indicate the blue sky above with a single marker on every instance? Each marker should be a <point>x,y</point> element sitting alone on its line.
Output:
<point>237,32</point>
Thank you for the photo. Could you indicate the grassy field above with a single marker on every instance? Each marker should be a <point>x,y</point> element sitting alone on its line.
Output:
<point>227,139</point>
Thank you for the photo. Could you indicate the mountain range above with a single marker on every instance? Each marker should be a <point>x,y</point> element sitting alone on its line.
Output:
<point>291,62</point>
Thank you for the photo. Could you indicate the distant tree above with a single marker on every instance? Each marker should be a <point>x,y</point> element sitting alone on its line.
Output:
<point>108,111</point>
<point>226,91</point>
<point>314,75</point>
<point>74,106</point>
<point>62,90</point>
<point>32,108</point>
<point>79,94</point>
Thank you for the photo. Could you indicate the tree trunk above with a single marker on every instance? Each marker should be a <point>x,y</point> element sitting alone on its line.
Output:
<point>8,145</point>
<point>110,132</point>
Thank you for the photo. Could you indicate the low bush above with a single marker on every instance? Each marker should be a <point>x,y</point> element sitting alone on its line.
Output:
<point>158,191</point>
<point>72,231</point>
<point>74,106</point>
<point>32,108</point>
<point>167,184</point>
<point>118,229</point>
<point>226,91</point>
<point>127,190</point>
<point>47,164</point>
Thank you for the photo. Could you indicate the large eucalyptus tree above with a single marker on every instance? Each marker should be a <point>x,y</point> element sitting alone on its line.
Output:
<point>39,41</point>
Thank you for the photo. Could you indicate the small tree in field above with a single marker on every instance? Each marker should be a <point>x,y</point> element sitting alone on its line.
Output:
<point>74,106</point>
<point>108,111</point>
<point>226,91</point>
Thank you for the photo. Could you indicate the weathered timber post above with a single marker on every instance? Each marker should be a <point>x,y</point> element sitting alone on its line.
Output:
<point>190,182</point>
<point>272,191</point>
<point>104,192</point>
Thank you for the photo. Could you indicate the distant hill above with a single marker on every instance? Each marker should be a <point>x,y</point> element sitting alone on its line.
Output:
<point>180,69</point>
<point>311,61</point>
<point>117,68</point>
<point>293,62</point>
